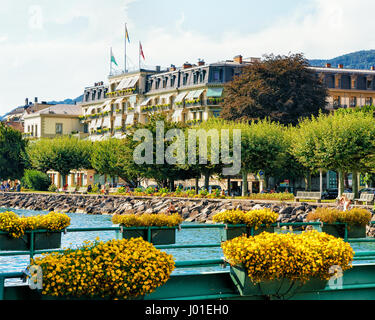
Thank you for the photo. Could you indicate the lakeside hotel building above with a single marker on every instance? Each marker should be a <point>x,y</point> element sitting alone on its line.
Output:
<point>190,94</point>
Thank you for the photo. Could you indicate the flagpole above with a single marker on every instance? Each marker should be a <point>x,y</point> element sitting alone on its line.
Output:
<point>139,56</point>
<point>125,47</point>
<point>110,63</point>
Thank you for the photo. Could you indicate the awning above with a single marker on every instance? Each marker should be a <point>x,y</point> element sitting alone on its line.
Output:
<point>119,101</point>
<point>190,95</point>
<point>127,83</point>
<point>214,92</point>
<point>133,82</point>
<point>129,119</point>
<point>106,122</point>
<point>133,99</point>
<point>89,110</point>
<point>118,122</point>
<point>177,115</point>
<point>166,98</point>
<point>181,96</point>
<point>145,102</point>
<point>198,93</point>
<point>107,106</point>
<point>119,135</point>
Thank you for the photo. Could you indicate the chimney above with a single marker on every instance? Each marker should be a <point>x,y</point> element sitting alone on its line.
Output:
<point>186,65</point>
<point>201,62</point>
<point>36,100</point>
<point>341,66</point>
<point>26,101</point>
<point>238,59</point>
<point>328,65</point>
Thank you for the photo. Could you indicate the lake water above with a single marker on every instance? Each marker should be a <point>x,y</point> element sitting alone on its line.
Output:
<point>183,237</point>
<point>76,239</point>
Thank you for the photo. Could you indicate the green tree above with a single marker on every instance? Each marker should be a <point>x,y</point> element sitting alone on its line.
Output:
<point>61,154</point>
<point>153,154</point>
<point>280,88</point>
<point>343,142</point>
<point>113,157</point>
<point>12,153</point>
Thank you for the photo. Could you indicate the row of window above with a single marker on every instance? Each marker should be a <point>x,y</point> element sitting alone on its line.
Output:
<point>353,101</point>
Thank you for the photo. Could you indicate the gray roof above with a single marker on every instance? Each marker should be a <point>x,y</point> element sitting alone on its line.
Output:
<point>61,109</point>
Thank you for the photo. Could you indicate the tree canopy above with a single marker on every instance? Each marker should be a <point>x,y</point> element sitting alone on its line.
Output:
<point>12,153</point>
<point>280,88</point>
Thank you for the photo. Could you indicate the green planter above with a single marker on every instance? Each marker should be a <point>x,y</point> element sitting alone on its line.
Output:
<point>260,230</point>
<point>163,236</point>
<point>280,288</point>
<point>8,243</point>
<point>45,240</point>
<point>232,232</point>
<point>338,231</point>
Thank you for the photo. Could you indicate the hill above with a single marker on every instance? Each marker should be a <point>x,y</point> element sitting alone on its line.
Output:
<point>364,59</point>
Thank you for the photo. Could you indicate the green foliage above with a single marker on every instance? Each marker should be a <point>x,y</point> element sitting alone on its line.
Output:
<point>61,154</point>
<point>281,88</point>
<point>36,180</point>
<point>12,153</point>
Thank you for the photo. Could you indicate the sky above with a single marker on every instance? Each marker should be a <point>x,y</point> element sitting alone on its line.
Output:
<point>54,49</point>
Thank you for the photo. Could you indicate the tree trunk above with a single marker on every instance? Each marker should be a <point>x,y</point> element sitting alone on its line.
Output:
<point>206,181</point>
<point>321,180</point>
<point>244,184</point>
<point>308,182</point>
<point>229,187</point>
<point>196,185</point>
<point>341,183</point>
<point>355,184</point>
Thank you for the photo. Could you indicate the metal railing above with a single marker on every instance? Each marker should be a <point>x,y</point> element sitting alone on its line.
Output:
<point>365,255</point>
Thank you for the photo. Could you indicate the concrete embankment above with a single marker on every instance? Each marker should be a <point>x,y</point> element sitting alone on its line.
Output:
<point>192,210</point>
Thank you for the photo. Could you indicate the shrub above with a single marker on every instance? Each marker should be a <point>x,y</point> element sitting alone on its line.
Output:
<point>118,269</point>
<point>36,180</point>
<point>356,216</point>
<point>16,225</point>
<point>254,218</point>
<point>271,256</point>
<point>148,220</point>
<point>52,188</point>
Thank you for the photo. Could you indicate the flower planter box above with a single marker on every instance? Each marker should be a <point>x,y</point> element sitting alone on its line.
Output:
<point>8,243</point>
<point>338,231</point>
<point>42,241</point>
<point>279,288</point>
<point>232,232</point>
<point>260,230</point>
<point>164,236</point>
<point>45,240</point>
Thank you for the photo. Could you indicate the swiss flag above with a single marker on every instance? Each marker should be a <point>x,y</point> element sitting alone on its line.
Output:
<point>141,51</point>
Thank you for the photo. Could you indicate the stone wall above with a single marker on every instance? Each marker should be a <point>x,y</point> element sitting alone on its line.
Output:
<point>192,210</point>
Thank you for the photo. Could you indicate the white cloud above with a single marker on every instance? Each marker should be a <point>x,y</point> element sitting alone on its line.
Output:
<point>55,67</point>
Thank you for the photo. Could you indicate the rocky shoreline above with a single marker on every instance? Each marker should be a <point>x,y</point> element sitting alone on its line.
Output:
<point>192,210</point>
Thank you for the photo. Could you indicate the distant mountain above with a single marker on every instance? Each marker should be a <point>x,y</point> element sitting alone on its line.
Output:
<point>67,101</point>
<point>364,59</point>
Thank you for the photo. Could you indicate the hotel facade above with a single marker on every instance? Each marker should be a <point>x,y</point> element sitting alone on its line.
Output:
<point>192,93</point>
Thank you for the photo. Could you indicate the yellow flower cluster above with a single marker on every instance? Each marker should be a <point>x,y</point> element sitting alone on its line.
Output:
<point>16,226</point>
<point>148,220</point>
<point>356,216</point>
<point>272,256</point>
<point>254,218</point>
<point>118,269</point>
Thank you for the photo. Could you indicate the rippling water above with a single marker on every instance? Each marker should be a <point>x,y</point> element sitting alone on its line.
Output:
<point>183,237</point>
<point>76,239</point>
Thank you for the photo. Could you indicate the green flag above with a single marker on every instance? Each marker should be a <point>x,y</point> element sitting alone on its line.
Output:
<point>113,59</point>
